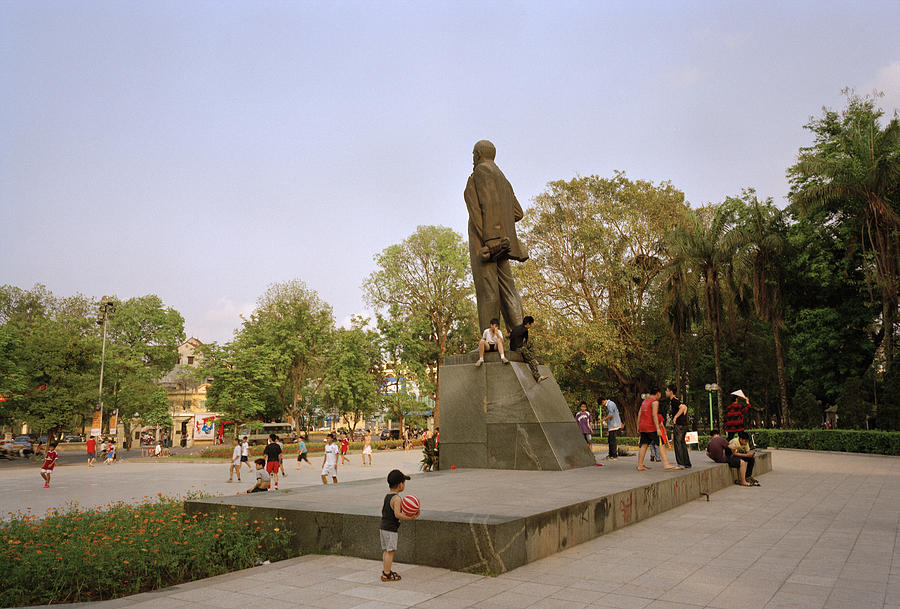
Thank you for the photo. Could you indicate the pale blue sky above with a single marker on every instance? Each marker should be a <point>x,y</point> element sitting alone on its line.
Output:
<point>203,150</point>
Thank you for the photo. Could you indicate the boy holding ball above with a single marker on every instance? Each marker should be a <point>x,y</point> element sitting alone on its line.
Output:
<point>391,515</point>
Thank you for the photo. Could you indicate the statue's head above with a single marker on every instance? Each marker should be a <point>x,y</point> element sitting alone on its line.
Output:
<point>484,151</point>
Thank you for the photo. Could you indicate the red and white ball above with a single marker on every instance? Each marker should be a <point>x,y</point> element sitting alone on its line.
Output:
<point>410,505</point>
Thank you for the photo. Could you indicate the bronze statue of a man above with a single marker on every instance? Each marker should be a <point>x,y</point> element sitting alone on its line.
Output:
<point>493,213</point>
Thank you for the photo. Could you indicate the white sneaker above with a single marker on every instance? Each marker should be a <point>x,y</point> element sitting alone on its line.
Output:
<point>479,362</point>
<point>504,360</point>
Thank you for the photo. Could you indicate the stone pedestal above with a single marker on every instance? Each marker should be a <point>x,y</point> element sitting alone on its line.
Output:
<point>497,417</point>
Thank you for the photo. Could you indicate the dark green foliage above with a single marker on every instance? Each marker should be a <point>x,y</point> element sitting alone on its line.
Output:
<point>853,407</point>
<point>888,410</point>
<point>805,409</point>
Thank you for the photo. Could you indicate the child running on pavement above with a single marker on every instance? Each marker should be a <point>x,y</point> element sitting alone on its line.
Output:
<point>391,515</point>
<point>367,448</point>
<point>49,464</point>
<point>302,452</point>
<point>345,448</point>
<point>330,462</point>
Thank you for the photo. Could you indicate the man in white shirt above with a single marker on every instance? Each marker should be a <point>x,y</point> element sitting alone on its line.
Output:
<point>330,463</point>
<point>491,340</point>
<point>245,453</point>
<point>235,461</point>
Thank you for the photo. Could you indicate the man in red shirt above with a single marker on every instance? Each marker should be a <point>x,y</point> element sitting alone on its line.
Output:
<point>650,430</point>
<point>49,464</point>
<point>734,417</point>
<point>91,451</point>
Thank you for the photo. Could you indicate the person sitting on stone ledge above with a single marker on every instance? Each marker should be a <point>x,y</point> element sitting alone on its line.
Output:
<point>518,341</point>
<point>719,451</point>
<point>740,451</point>
<point>491,340</point>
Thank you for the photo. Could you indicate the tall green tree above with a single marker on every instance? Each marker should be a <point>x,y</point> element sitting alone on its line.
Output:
<point>406,354</point>
<point>852,172</point>
<point>427,276</point>
<point>709,249</point>
<point>143,338</point>
<point>54,353</point>
<point>759,263</point>
<point>350,381</point>
<point>592,283</point>
<point>681,303</point>
<point>276,354</point>
<point>830,321</point>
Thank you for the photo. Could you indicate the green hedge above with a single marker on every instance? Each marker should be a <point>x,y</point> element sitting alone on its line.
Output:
<point>841,440</point>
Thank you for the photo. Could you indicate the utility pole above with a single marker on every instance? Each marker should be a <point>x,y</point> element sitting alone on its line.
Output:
<point>107,306</point>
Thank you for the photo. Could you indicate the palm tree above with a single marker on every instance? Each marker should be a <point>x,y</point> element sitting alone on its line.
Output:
<point>852,171</point>
<point>681,304</point>
<point>704,247</point>
<point>759,245</point>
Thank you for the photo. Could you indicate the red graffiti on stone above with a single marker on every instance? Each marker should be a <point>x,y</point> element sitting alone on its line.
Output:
<point>626,509</point>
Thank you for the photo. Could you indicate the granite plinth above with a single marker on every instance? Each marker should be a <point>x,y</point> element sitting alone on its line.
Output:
<point>497,416</point>
<point>480,520</point>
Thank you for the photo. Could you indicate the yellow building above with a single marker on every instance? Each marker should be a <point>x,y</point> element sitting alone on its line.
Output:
<point>192,422</point>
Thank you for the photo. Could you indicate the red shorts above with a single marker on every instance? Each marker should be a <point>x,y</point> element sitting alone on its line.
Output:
<point>273,466</point>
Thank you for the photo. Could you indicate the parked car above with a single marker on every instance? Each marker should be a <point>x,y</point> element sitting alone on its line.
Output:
<point>20,446</point>
<point>261,436</point>
<point>70,439</point>
<point>390,434</point>
<point>24,441</point>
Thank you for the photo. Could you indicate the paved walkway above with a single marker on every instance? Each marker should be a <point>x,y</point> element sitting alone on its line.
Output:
<point>821,532</point>
<point>135,480</point>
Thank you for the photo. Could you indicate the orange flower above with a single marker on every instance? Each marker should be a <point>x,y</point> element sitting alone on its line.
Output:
<point>125,561</point>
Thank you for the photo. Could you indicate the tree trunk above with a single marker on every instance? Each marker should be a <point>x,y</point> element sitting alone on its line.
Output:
<point>678,385</point>
<point>782,383</point>
<point>887,318</point>
<point>719,394</point>
<point>437,391</point>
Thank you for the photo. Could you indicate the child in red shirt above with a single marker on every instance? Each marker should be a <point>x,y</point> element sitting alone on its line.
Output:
<point>49,464</point>
<point>345,448</point>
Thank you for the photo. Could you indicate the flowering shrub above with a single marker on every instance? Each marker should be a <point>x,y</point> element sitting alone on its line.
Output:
<point>77,555</point>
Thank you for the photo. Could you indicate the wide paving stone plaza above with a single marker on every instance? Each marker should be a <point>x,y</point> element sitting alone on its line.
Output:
<point>821,532</point>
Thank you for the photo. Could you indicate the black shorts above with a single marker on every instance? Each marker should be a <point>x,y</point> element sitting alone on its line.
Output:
<point>491,347</point>
<point>302,457</point>
<point>256,489</point>
<point>650,438</point>
<point>244,458</point>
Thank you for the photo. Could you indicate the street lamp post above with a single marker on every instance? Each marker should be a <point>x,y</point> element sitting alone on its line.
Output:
<point>107,306</point>
<point>710,387</point>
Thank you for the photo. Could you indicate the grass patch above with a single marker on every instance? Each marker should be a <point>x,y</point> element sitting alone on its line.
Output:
<point>78,555</point>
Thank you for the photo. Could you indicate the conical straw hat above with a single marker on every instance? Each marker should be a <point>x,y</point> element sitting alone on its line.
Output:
<point>739,394</point>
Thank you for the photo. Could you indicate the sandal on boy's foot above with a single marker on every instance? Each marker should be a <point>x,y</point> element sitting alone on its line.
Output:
<point>390,577</point>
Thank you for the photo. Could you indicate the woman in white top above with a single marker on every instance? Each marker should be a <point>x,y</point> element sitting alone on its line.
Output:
<point>491,340</point>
